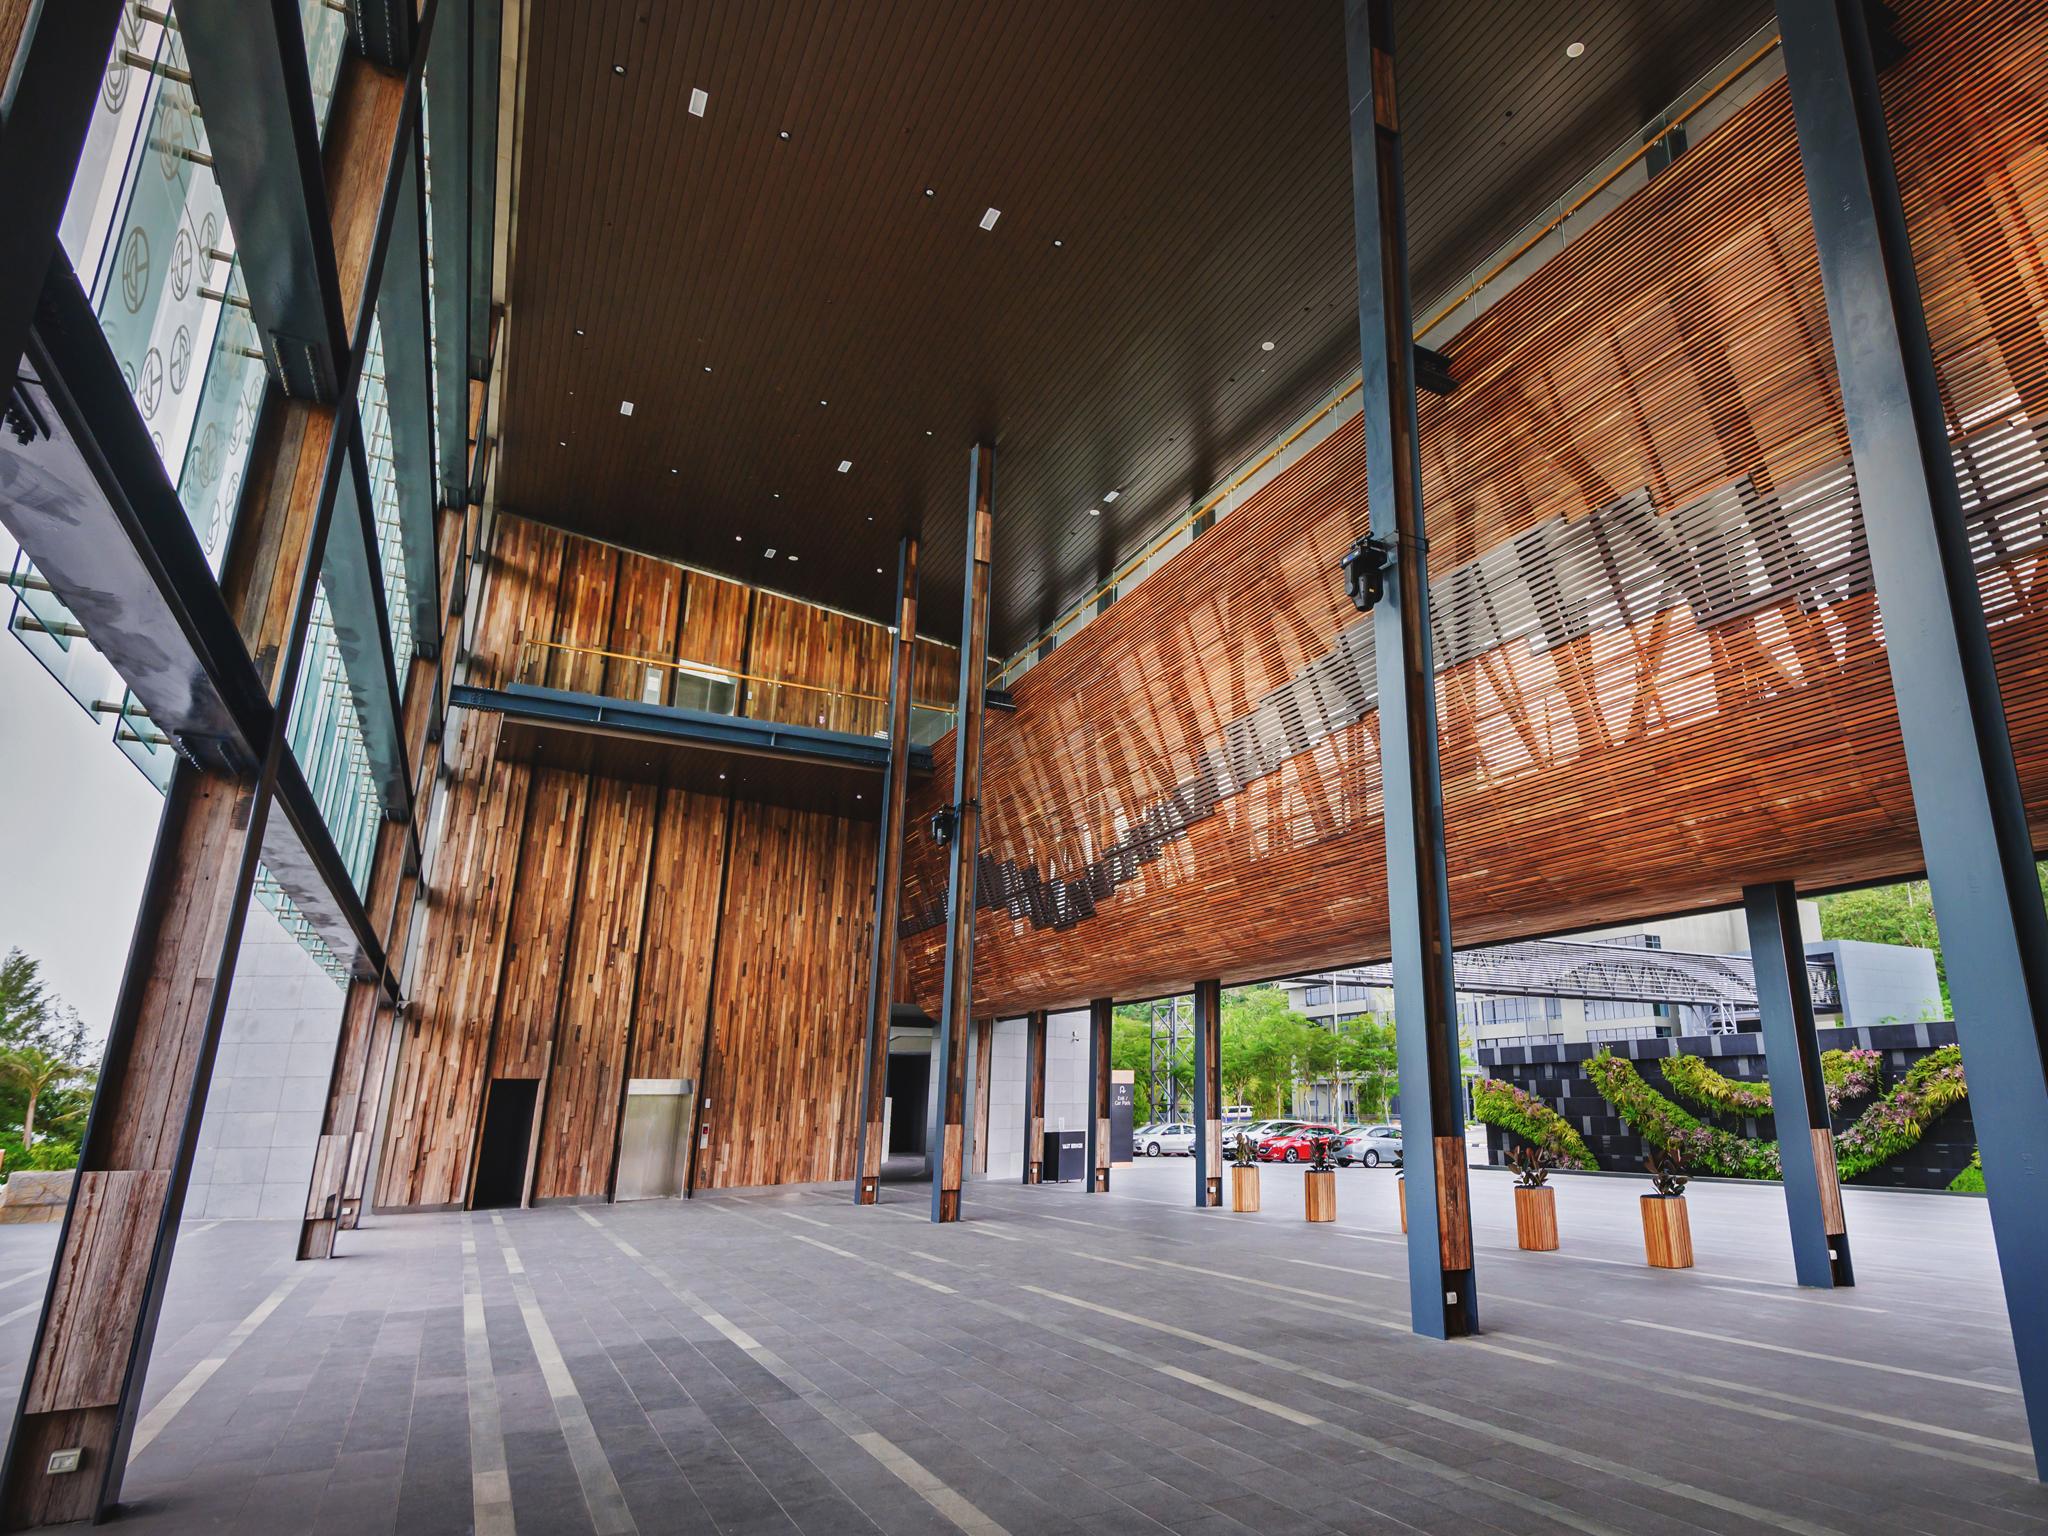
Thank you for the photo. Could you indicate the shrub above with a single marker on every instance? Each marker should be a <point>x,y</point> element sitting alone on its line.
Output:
<point>1846,1075</point>
<point>1897,1121</point>
<point>1665,1126</point>
<point>1971,1180</point>
<point>1503,1104</point>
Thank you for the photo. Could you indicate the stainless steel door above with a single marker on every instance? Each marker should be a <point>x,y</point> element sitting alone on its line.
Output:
<point>654,1140</point>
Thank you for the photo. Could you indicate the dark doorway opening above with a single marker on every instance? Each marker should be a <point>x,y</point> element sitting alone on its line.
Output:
<point>909,1087</point>
<point>502,1148</point>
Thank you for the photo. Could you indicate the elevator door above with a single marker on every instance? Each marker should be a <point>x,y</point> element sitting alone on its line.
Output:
<point>655,1139</point>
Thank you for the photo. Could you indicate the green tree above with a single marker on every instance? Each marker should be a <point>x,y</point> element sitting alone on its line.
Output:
<point>45,1069</point>
<point>1256,1047</point>
<point>1367,1059</point>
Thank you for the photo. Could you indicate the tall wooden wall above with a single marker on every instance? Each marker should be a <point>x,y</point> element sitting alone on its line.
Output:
<point>1663,671</point>
<point>574,922</point>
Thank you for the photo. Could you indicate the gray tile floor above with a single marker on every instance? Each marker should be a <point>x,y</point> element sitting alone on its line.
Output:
<point>1062,1362</point>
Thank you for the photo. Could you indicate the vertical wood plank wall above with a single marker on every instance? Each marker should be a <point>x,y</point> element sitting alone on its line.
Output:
<point>572,918</point>
<point>1717,712</point>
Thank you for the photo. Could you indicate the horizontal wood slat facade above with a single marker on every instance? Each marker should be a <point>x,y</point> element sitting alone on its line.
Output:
<point>572,918</point>
<point>1182,790</point>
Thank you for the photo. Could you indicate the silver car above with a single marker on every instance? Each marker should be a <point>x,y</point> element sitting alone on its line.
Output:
<point>1367,1145</point>
<point>1176,1138</point>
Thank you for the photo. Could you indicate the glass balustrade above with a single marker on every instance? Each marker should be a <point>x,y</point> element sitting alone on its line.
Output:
<point>684,684</point>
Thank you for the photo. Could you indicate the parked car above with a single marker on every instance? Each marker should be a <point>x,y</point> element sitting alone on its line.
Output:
<point>1296,1145</point>
<point>1139,1134</point>
<point>1257,1130</point>
<point>1174,1138</point>
<point>1368,1146</point>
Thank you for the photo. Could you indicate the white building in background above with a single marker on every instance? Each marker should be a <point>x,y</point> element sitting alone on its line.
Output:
<point>1676,976</point>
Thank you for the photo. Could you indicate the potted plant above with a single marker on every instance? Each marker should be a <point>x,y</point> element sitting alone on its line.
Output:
<point>1667,1235</point>
<point>1535,1200</point>
<point>1244,1174</point>
<point>1319,1183</point>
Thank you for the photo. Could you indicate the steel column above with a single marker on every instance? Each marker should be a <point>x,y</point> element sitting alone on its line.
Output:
<point>949,1104</point>
<point>1208,1093</point>
<point>1442,1300</point>
<point>1799,1099</point>
<point>874,1062</point>
<point>1101,1012</point>
<point>1973,825</point>
<point>1034,1097</point>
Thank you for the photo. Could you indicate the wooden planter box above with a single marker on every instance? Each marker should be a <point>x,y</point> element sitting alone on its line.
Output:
<point>1401,1184</point>
<point>1319,1194</point>
<point>1536,1218</point>
<point>1667,1235</point>
<point>1244,1189</point>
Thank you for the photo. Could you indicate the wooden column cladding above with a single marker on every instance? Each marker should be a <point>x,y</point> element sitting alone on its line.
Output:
<point>1708,723</point>
<point>962,852</point>
<point>1034,1097</point>
<point>882,963</point>
<point>1101,1017</point>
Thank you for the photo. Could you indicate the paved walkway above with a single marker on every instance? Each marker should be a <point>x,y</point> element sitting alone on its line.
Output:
<point>1064,1362</point>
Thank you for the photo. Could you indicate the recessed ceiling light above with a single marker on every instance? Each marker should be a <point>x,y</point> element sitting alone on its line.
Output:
<point>698,101</point>
<point>1265,346</point>
<point>625,407</point>
<point>845,465</point>
<point>1574,50</point>
<point>721,776</point>
<point>824,402</point>
<point>707,367</point>
<point>930,191</point>
<point>1095,511</point>
<point>776,494</point>
<point>675,471</point>
<point>927,431</point>
<point>770,553</point>
<point>878,570</point>
<point>1057,244</point>
<point>618,69</point>
<point>988,220</point>
<point>739,538</point>
<point>792,559</point>
<point>783,135</point>
<point>579,330</point>
<point>1111,495</point>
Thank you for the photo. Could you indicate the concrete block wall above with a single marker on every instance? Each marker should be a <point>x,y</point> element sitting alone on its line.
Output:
<point>262,1118</point>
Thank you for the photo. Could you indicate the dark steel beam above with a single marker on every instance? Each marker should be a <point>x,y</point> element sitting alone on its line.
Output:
<point>409,395</point>
<point>1799,1098</point>
<point>351,570</point>
<point>963,852</point>
<point>1966,794</point>
<point>448,91</point>
<point>1101,1018</point>
<point>1208,1093</point>
<point>248,64</point>
<point>1034,1097</point>
<point>85,492</point>
<point>1442,1300</point>
<point>47,92</point>
<point>385,33</point>
<point>300,854</point>
<point>486,26</point>
<point>883,941</point>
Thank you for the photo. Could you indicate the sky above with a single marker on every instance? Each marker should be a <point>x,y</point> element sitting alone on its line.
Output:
<point>77,821</point>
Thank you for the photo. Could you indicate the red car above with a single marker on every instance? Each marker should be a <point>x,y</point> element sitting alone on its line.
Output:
<point>1295,1146</point>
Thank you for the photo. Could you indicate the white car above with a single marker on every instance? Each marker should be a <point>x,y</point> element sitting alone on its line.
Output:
<point>1368,1145</point>
<point>1174,1139</point>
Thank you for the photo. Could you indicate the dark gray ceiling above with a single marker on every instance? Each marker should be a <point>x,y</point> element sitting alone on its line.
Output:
<point>1190,159</point>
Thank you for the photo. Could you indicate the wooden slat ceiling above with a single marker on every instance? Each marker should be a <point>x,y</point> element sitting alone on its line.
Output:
<point>1174,187</point>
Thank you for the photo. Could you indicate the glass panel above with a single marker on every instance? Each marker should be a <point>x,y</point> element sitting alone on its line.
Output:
<point>325,23</point>
<point>374,406</point>
<point>147,232</point>
<point>142,743</point>
<point>53,635</point>
<point>268,892</point>
<point>325,732</point>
